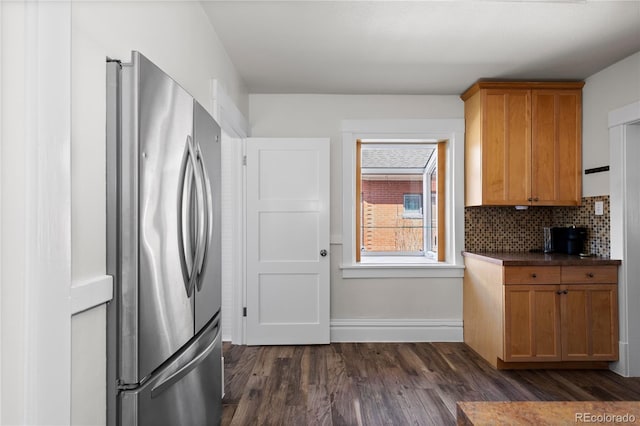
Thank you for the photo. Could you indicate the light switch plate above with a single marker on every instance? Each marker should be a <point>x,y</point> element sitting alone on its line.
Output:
<point>599,208</point>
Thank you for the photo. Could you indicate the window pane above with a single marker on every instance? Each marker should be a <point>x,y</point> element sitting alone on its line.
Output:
<point>412,204</point>
<point>391,218</point>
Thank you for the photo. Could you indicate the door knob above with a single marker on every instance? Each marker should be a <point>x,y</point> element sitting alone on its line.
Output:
<point>323,252</point>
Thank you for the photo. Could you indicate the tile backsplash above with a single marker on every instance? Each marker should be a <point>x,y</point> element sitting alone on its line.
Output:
<point>508,229</point>
<point>598,227</point>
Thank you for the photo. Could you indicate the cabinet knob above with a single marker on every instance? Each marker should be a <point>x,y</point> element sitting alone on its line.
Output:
<point>590,274</point>
<point>559,292</point>
<point>565,292</point>
<point>534,275</point>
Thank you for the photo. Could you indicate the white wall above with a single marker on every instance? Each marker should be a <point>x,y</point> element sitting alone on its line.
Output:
<point>613,87</point>
<point>321,116</point>
<point>178,37</point>
<point>89,367</point>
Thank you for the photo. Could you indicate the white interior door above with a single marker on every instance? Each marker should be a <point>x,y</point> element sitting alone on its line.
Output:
<point>287,241</point>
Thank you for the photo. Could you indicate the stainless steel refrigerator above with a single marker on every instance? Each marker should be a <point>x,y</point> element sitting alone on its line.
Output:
<point>164,251</point>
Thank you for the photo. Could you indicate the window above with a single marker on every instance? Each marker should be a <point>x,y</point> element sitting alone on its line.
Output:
<point>446,237</point>
<point>398,191</point>
<point>412,206</point>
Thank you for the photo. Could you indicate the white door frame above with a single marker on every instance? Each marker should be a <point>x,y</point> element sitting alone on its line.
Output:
<point>36,200</point>
<point>235,129</point>
<point>624,127</point>
<point>1,242</point>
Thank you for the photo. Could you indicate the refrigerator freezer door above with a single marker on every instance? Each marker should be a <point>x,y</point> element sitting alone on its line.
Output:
<point>207,140</point>
<point>165,120</point>
<point>187,391</point>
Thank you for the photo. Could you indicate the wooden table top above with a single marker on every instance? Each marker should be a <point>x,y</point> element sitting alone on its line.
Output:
<point>541,413</point>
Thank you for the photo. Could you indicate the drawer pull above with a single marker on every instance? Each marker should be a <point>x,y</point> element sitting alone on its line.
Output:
<point>590,274</point>
<point>534,275</point>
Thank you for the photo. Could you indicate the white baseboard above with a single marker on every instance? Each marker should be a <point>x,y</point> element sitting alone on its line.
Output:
<point>396,330</point>
<point>621,367</point>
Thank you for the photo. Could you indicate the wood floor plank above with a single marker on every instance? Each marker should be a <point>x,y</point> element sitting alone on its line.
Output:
<point>228,411</point>
<point>272,411</point>
<point>415,406</point>
<point>296,387</point>
<point>318,408</point>
<point>265,361</point>
<point>239,362</point>
<point>388,384</point>
<point>345,402</point>
<point>246,411</point>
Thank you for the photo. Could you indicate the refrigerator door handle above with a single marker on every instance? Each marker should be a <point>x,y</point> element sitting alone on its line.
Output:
<point>194,154</point>
<point>201,211</point>
<point>183,370</point>
<point>184,217</point>
<point>189,174</point>
<point>207,215</point>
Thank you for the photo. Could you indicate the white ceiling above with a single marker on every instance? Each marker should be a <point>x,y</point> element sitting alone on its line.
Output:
<point>419,47</point>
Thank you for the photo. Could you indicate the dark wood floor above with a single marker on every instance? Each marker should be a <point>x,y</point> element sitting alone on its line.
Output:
<point>388,384</point>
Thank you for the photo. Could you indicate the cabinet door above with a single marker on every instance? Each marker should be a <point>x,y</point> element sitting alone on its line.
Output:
<point>590,323</point>
<point>532,323</point>
<point>506,147</point>
<point>556,141</point>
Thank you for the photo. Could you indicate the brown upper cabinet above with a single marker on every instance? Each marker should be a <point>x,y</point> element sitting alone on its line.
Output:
<point>523,143</point>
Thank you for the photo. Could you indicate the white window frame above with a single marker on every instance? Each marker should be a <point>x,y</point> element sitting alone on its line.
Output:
<point>426,205</point>
<point>406,131</point>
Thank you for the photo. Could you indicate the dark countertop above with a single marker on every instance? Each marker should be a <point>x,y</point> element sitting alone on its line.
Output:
<point>540,259</point>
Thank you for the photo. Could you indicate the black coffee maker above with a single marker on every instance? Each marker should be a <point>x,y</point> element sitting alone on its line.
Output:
<point>569,240</point>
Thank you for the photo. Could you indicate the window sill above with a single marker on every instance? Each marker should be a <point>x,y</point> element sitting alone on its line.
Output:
<point>412,216</point>
<point>398,260</point>
<point>402,270</point>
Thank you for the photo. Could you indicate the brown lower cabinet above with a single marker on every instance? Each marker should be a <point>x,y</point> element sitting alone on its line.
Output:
<point>546,316</point>
<point>561,322</point>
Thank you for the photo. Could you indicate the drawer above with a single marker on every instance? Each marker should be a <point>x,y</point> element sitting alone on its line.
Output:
<point>590,274</point>
<point>532,275</point>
